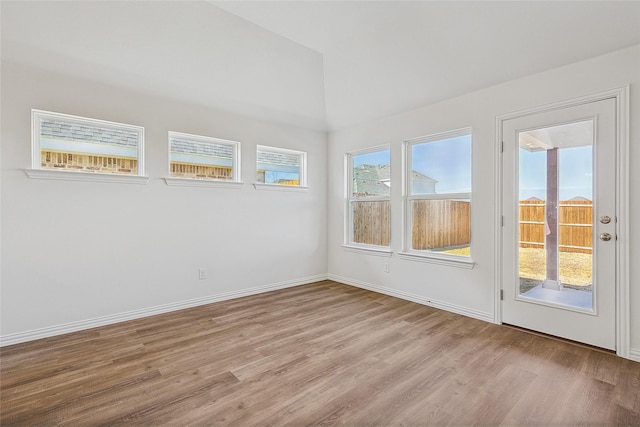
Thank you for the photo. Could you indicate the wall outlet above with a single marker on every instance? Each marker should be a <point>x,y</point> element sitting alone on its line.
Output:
<point>387,268</point>
<point>202,273</point>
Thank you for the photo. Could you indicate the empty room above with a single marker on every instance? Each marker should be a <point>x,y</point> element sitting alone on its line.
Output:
<point>320,213</point>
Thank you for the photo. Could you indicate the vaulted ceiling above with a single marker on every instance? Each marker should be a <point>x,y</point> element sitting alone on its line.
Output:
<point>384,57</point>
<point>322,65</point>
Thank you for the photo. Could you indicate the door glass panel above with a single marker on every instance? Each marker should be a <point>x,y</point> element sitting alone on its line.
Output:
<point>555,258</point>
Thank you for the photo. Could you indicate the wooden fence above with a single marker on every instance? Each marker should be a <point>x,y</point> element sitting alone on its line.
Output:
<point>447,223</point>
<point>440,224</point>
<point>372,223</point>
<point>437,223</point>
<point>575,221</point>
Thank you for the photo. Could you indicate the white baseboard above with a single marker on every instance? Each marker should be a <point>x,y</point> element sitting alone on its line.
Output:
<point>50,331</point>
<point>634,354</point>
<point>476,314</point>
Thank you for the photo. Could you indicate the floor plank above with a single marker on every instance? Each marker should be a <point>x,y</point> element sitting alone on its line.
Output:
<point>318,354</point>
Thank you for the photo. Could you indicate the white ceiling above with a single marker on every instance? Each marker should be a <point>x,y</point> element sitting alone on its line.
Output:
<point>385,57</point>
<point>313,64</point>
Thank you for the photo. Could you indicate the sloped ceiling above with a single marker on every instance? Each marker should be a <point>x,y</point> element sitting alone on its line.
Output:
<point>385,57</point>
<point>187,50</point>
<point>313,64</point>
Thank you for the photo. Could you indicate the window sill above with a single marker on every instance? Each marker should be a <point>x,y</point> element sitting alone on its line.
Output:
<point>450,260</point>
<point>277,187</point>
<point>369,250</point>
<point>86,176</point>
<point>186,182</point>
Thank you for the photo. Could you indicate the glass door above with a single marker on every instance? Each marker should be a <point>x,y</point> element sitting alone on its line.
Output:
<point>558,238</point>
<point>555,254</point>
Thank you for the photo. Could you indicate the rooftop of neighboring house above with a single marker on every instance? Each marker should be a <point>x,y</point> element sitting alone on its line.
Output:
<point>280,159</point>
<point>578,199</point>
<point>53,129</point>
<point>196,148</point>
<point>376,179</point>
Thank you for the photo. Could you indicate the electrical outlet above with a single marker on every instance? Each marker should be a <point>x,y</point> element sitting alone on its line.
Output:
<point>202,273</point>
<point>386,267</point>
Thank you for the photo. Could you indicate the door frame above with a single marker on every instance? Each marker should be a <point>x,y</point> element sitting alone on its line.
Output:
<point>623,312</point>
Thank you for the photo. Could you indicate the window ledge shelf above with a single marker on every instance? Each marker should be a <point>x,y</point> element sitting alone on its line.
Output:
<point>277,187</point>
<point>368,250</point>
<point>186,182</point>
<point>86,176</point>
<point>453,261</point>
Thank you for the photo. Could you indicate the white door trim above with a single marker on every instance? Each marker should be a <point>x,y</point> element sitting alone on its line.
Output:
<point>623,312</point>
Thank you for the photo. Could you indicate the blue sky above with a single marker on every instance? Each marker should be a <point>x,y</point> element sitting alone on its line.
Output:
<point>448,161</point>
<point>375,158</point>
<point>575,166</point>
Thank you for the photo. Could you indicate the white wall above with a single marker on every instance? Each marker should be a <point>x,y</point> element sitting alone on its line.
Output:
<point>74,252</point>
<point>472,291</point>
<point>77,251</point>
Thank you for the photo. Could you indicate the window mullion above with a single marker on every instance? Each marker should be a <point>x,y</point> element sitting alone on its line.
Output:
<point>439,196</point>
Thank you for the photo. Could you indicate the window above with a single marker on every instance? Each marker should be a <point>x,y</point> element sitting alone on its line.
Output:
<point>280,167</point>
<point>438,194</point>
<point>203,158</point>
<point>64,143</point>
<point>369,197</point>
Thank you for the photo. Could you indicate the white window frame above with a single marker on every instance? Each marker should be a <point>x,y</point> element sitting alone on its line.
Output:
<point>302,172</point>
<point>37,172</point>
<point>428,255</point>
<point>349,244</point>
<point>235,182</point>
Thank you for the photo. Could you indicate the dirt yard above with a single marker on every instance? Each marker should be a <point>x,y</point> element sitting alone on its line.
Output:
<point>575,268</point>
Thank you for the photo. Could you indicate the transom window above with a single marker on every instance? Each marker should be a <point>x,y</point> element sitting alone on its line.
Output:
<point>203,158</point>
<point>78,144</point>
<point>438,194</point>
<point>279,166</point>
<point>369,197</point>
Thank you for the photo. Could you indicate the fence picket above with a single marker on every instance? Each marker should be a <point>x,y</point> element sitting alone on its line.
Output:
<point>446,223</point>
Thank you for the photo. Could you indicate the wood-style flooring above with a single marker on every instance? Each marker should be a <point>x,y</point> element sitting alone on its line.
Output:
<point>319,354</point>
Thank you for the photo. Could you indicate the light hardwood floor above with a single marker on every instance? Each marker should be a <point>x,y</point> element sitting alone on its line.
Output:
<point>318,354</point>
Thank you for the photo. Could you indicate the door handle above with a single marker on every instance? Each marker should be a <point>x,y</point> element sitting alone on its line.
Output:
<point>605,237</point>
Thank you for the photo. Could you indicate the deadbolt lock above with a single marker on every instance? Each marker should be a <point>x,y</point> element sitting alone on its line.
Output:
<point>605,237</point>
